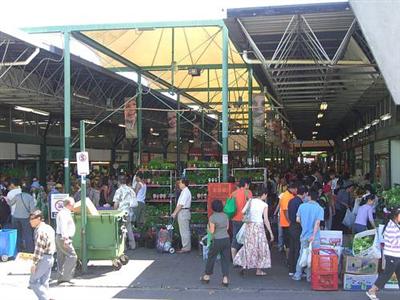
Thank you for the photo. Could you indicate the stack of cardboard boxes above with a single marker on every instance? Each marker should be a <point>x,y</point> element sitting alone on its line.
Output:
<point>360,273</point>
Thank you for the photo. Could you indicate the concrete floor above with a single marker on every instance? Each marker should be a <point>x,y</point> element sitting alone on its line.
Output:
<point>150,275</point>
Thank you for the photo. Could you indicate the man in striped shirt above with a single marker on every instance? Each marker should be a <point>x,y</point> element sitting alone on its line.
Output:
<point>43,260</point>
<point>391,251</point>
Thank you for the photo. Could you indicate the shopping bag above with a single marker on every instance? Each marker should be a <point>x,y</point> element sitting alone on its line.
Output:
<point>349,218</point>
<point>240,236</point>
<point>230,207</point>
<point>305,256</point>
<point>367,244</point>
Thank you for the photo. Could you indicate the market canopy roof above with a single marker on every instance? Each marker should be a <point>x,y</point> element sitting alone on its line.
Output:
<point>169,55</point>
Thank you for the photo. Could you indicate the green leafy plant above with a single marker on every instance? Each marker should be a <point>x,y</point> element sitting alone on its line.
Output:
<point>392,197</point>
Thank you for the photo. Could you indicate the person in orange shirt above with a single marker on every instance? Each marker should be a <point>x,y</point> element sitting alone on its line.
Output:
<point>241,195</point>
<point>284,222</point>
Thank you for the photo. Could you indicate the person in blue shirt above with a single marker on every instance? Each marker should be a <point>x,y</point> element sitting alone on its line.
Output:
<point>295,228</point>
<point>309,215</point>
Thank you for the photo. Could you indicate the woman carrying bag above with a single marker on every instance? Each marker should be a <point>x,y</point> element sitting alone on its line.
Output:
<point>218,227</point>
<point>255,253</point>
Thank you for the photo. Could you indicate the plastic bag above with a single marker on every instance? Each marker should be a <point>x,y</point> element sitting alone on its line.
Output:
<point>305,257</point>
<point>240,236</point>
<point>349,219</point>
<point>230,207</point>
<point>373,251</point>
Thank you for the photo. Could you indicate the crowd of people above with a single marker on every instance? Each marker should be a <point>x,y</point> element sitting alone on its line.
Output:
<point>290,209</point>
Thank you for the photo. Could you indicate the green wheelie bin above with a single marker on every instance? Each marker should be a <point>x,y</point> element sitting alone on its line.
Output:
<point>105,237</point>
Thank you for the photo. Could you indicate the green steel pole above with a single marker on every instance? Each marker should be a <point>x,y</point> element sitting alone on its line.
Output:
<point>178,134</point>
<point>202,134</point>
<point>173,58</point>
<point>225,45</point>
<point>83,203</point>
<point>139,121</point>
<point>250,121</point>
<point>67,111</point>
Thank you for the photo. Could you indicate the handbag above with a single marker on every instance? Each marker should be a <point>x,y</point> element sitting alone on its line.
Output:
<point>230,207</point>
<point>305,257</point>
<point>349,218</point>
<point>246,215</point>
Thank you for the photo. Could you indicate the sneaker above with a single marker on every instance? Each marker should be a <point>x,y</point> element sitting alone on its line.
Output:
<point>371,296</point>
<point>296,278</point>
<point>291,274</point>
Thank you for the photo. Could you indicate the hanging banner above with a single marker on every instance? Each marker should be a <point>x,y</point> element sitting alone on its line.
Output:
<point>171,117</point>
<point>130,118</point>
<point>258,116</point>
<point>269,130</point>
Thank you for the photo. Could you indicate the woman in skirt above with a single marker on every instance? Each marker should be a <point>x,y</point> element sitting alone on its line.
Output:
<point>255,253</point>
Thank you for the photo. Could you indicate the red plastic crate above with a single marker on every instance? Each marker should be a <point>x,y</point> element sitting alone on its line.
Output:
<point>325,282</point>
<point>324,261</point>
<point>219,191</point>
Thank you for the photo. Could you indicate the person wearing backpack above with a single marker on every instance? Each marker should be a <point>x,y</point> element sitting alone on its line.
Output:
<point>391,251</point>
<point>125,200</point>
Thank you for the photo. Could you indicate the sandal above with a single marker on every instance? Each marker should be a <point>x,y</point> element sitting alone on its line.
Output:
<point>203,280</point>
<point>371,296</point>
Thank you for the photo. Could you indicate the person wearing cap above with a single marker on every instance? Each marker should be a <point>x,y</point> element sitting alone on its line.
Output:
<point>66,255</point>
<point>343,202</point>
<point>43,259</point>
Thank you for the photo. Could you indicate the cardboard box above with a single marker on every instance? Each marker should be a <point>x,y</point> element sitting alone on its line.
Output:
<point>90,208</point>
<point>352,282</point>
<point>331,238</point>
<point>393,283</point>
<point>360,265</point>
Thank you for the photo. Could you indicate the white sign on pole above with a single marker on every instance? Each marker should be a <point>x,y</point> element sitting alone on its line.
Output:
<point>82,160</point>
<point>225,159</point>
<point>57,203</point>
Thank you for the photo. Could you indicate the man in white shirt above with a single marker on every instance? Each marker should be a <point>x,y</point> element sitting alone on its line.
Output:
<point>14,189</point>
<point>66,255</point>
<point>182,211</point>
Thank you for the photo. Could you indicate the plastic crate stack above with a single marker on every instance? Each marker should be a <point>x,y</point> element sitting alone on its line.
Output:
<point>220,191</point>
<point>324,270</point>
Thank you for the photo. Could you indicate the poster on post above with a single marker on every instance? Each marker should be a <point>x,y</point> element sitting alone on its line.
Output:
<point>57,204</point>
<point>130,118</point>
<point>171,117</point>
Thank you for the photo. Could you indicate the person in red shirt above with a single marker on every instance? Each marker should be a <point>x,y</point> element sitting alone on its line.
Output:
<point>241,195</point>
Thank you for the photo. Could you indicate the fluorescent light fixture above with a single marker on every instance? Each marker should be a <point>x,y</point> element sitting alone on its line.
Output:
<point>315,132</point>
<point>318,124</point>
<point>194,106</point>
<point>101,135</point>
<point>368,126</point>
<point>191,141</point>
<point>323,106</point>
<point>237,130</point>
<point>320,115</point>
<point>74,128</point>
<point>213,116</point>
<point>355,133</point>
<point>89,122</point>
<point>31,110</point>
<point>81,96</point>
<point>345,139</point>
<point>360,130</point>
<point>375,122</point>
<point>314,137</point>
<point>122,125</point>
<point>2,126</point>
<point>155,133</point>
<point>386,117</point>
<point>351,135</point>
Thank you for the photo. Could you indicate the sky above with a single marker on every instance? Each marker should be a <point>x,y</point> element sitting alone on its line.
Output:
<point>26,13</point>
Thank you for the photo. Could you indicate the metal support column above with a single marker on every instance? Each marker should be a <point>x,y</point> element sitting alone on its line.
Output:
<point>139,122</point>
<point>67,110</point>
<point>250,121</point>
<point>202,134</point>
<point>225,125</point>
<point>83,203</point>
<point>178,135</point>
